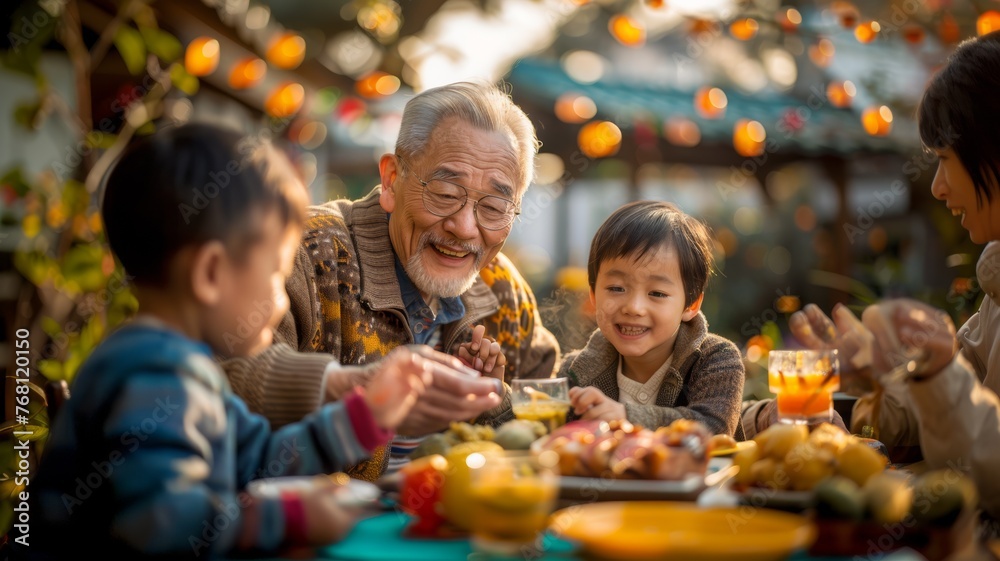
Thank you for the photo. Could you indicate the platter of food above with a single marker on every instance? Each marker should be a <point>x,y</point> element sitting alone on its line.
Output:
<point>616,460</point>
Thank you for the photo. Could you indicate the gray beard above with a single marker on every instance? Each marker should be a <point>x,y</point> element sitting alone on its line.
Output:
<point>434,286</point>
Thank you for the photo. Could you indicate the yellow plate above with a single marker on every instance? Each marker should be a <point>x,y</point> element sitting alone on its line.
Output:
<point>682,530</point>
<point>722,452</point>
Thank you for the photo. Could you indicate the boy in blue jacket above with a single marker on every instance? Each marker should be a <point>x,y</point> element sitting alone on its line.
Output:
<point>152,454</point>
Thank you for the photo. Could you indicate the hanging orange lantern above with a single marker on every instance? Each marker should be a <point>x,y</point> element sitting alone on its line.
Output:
<point>627,31</point>
<point>867,32</point>
<point>877,120</point>
<point>247,73</point>
<point>599,139</point>
<point>202,56</point>
<point>744,29</point>
<point>840,94</point>
<point>710,103</point>
<point>285,100</point>
<point>987,22</point>
<point>286,51</point>
<point>748,138</point>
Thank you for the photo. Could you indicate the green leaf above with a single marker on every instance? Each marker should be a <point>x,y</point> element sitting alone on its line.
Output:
<point>146,129</point>
<point>182,80</point>
<point>130,45</point>
<point>82,266</point>
<point>162,44</point>
<point>51,369</point>
<point>73,361</point>
<point>36,432</point>
<point>51,327</point>
<point>36,267</point>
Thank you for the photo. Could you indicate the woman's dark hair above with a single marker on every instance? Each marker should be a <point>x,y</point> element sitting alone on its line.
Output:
<point>961,110</point>
<point>641,227</point>
<point>191,184</point>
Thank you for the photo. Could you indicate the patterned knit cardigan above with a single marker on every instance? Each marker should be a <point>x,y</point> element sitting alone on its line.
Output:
<point>345,301</point>
<point>704,381</point>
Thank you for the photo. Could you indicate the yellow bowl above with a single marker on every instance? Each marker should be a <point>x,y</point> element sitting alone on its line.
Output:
<point>682,530</point>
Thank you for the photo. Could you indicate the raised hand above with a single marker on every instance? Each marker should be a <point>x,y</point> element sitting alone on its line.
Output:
<point>484,354</point>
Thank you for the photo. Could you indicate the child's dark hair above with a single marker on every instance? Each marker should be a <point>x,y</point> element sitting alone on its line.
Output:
<point>640,227</point>
<point>959,110</point>
<point>190,184</point>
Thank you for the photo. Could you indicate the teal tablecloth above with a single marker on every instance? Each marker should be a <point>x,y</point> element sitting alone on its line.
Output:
<point>380,538</point>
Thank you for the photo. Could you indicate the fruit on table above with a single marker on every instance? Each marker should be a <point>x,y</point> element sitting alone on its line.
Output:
<point>859,461</point>
<point>420,493</point>
<point>436,443</point>
<point>743,460</point>
<point>778,440</point>
<point>519,434</point>
<point>840,497</point>
<point>807,464</point>
<point>939,496</point>
<point>458,480</point>
<point>888,496</point>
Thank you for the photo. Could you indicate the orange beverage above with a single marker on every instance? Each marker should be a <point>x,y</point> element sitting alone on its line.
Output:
<point>803,383</point>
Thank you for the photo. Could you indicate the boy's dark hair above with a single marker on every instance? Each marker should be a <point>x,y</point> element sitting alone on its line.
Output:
<point>959,110</point>
<point>190,184</point>
<point>640,227</point>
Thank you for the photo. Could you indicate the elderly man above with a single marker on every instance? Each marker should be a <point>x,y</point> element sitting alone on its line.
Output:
<point>416,261</point>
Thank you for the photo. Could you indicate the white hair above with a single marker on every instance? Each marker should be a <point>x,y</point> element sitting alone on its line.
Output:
<point>481,104</point>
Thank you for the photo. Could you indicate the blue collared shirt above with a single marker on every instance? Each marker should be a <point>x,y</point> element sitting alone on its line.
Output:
<point>423,322</point>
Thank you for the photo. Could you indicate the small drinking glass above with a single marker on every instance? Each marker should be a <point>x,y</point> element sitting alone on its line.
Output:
<point>512,496</point>
<point>541,399</point>
<point>803,382</point>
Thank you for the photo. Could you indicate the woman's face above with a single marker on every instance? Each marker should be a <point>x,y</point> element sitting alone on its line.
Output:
<point>953,185</point>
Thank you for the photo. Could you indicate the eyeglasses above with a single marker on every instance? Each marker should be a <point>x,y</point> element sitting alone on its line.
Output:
<point>444,198</point>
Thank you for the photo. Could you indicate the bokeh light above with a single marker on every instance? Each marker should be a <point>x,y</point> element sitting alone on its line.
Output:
<point>746,220</point>
<point>948,30</point>
<point>710,102</point>
<point>878,239</point>
<point>988,21</point>
<point>748,138</point>
<point>866,32</point>
<point>585,67</point>
<point>575,108</point>
<point>628,31</point>
<point>548,168</point>
<point>789,19</point>
<point>377,84</point>
<point>202,56</point>
<point>877,120</point>
<point>744,29</point>
<point>600,139</point>
<point>821,53</point>
<point>841,94</point>
<point>285,100</point>
<point>247,73</point>
<point>681,131</point>
<point>286,50</point>
<point>913,34</point>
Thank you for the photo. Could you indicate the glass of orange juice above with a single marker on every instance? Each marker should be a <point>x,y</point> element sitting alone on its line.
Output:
<point>803,382</point>
<point>512,495</point>
<point>541,399</point>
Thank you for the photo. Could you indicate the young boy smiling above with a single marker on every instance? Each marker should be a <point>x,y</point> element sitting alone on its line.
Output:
<point>651,359</point>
